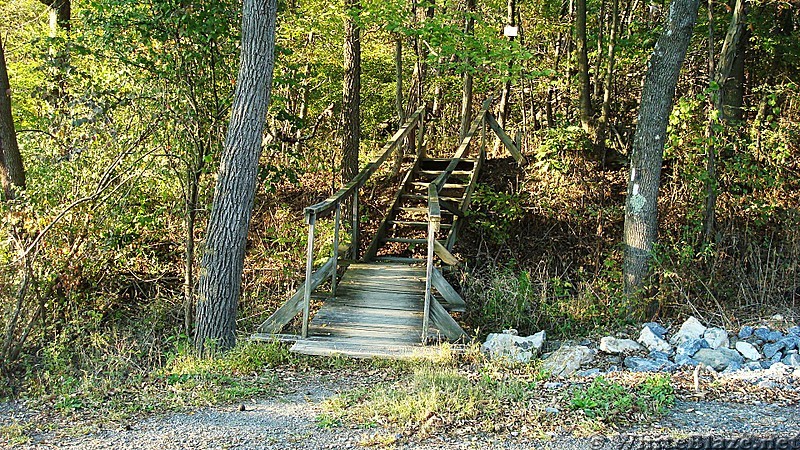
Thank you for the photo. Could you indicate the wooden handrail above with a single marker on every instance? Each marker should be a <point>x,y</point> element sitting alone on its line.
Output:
<point>326,206</point>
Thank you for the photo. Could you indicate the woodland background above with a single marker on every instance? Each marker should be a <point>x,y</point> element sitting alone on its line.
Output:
<point>121,106</point>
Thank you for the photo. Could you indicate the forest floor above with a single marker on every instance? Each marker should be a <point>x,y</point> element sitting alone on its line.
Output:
<point>293,418</point>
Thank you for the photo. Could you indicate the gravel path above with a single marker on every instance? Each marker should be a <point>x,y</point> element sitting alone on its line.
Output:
<point>288,422</point>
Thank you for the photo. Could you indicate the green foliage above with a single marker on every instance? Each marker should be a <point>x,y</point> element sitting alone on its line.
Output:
<point>495,213</point>
<point>612,402</point>
<point>558,146</point>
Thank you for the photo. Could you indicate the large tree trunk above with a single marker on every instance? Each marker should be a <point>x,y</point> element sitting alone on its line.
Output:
<point>641,206</point>
<point>351,96</point>
<point>12,172</point>
<point>223,258</point>
<point>583,66</point>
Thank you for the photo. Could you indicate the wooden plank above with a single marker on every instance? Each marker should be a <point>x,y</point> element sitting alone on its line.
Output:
<point>441,319</point>
<point>452,209</point>
<point>398,259</point>
<point>445,186</point>
<point>408,240</point>
<point>294,305</point>
<point>445,226</point>
<point>506,140</point>
<point>425,197</point>
<point>416,210</point>
<point>445,255</point>
<point>447,292</point>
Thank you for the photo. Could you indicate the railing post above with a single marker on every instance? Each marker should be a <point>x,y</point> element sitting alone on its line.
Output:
<point>336,219</point>
<point>354,239</point>
<point>421,134</point>
<point>312,220</point>
<point>483,133</point>
<point>433,227</point>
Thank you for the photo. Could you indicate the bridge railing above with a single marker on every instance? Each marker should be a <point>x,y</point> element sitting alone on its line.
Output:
<point>435,214</point>
<point>333,205</point>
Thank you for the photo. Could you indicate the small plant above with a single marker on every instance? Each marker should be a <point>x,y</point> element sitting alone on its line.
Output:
<point>612,402</point>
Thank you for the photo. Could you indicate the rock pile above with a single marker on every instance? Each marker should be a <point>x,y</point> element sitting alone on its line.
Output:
<point>658,350</point>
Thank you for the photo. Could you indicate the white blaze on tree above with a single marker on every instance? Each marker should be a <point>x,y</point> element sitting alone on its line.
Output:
<point>641,206</point>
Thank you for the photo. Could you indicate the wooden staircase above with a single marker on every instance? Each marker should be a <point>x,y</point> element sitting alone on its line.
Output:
<point>403,235</point>
<point>393,299</point>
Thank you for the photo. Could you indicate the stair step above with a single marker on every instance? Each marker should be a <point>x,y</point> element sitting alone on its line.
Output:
<point>425,197</point>
<point>398,259</point>
<point>418,224</point>
<point>447,160</point>
<point>436,173</point>
<point>409,241</point>
<point>418,210</point>
<point>446,185</point>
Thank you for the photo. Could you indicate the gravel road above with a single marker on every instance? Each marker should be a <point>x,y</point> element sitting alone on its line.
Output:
<point>288,422</point>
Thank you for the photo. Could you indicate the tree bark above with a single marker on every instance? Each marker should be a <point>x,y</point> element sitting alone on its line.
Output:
<point>583,66</point>
<point>505,102</point>
<point>12,171</point>
<point>641,206</point>
<point>60,12</point>
<point>719,75</point>
<point>608,81</point>
<point>466,97</point>
<point>223,258</point>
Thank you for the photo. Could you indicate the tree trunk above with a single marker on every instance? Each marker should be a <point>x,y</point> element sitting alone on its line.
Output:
<point>608,81</point>
<point>505,102</point>
<point>60,12</point>
<point>720,76</point>
<point>12,172</point>
<point>223,258</point>
<point>466,97</point>
<point>641,206</point>
<point>351,114</point>
<point>583,66</point>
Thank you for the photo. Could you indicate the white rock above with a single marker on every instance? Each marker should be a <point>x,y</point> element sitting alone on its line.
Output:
<point>690,329</point>
<point>748,350</point>
<point>653,342</point>
<point>716,338</point>
<point>613,345</point>
<point>567,360</point>
<point>507,345</point>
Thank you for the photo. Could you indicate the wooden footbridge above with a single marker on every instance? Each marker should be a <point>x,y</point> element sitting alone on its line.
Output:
<point>392,299</point>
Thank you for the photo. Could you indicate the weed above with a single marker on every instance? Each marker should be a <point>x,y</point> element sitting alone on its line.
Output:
<point>14,434</point>
<point>611,402</point>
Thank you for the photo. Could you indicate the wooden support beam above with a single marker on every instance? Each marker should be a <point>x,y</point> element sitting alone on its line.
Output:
<point>506,139</point>
<point>445,255</point>
<point>448,293</point>
<point>294,305</point>
<point>441,319</point>
<point>451,207</point>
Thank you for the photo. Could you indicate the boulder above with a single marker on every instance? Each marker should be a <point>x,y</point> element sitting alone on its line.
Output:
<point>658,356</point>
<point>683,360</point>
<point>748,350</point>
<point>716,338</point>
<point>690,346</point>
<point>638,364</point>
<point>718,359</point>
<point>589,372</point>
<point>771,349</point>
<point>691,329</point>
<point>767,335</point>
<point>615,346</point>
<point>653,342</point>
<point>790,342</point>
<point>507,345</point>
<point>795,330</point>
<point>657,329</point>
<point>745,332</point>
<point>792,360</point>
<point>567,360</point>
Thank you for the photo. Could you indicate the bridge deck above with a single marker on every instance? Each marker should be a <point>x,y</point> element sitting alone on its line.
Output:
<point>377,311</point>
